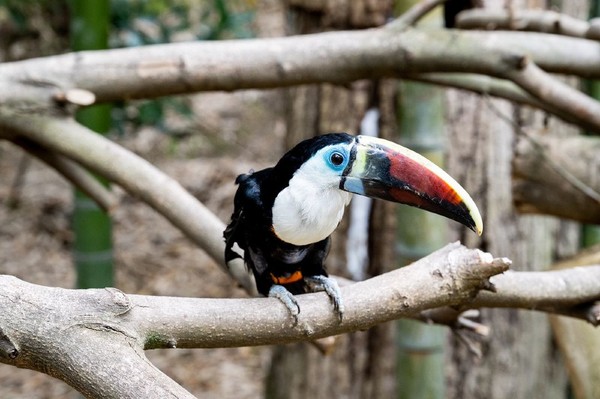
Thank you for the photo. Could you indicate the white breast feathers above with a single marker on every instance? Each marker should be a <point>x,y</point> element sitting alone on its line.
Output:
<point>310,208</point>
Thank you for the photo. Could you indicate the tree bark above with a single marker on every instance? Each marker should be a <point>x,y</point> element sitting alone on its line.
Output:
<point>519,359</point>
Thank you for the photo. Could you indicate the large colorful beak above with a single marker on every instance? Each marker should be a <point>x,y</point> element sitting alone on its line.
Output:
<point>386,170</point>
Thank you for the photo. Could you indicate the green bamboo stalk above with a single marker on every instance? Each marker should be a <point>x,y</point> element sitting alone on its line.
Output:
<point>92,227</point>
<point>420,346</point>
<point>591,233</point>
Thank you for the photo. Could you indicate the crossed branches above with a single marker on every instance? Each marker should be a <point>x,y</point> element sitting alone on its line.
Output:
<point>36,116</point>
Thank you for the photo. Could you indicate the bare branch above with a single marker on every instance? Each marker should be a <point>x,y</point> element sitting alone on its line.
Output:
<point>525,20</point>
<point>545,88</point>
<point>137,176</point>
<point>334,57</point>
<point>79,335</point>
<point>74,173</point>
<point>451,274</point>
<point>570,292</point>
<point>498,88</point>
<point>552,291</point>
<point>557,176</point>
<point>105,322</point>
<point>480,84</point>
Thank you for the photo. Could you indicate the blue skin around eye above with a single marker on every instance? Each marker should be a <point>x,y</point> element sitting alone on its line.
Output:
<point>331,165</point>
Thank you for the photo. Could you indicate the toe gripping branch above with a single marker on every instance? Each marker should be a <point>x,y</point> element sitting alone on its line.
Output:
<point>315,283</point>
<point>331,288</point>
<point>286,297</point>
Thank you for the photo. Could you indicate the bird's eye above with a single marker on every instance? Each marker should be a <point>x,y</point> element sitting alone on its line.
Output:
<point>336,158</point>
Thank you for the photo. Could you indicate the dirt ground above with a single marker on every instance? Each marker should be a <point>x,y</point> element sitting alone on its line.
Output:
<point>151,256</point>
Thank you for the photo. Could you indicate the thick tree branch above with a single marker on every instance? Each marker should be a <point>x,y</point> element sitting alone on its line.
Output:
<point>449,276</point>
<point>78,335</point>
<point>91,338</point>
<point>334,57</point>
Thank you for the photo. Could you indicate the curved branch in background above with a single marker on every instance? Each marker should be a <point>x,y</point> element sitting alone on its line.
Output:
<point>480,84</point>
<point>74,173</point>
<point>495,87</point>
<point>137,176</point>
<point>558,176</point>
<point>544,87</point>
<point>527,20</point>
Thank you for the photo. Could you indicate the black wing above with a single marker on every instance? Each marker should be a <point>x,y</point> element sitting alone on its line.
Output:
<point>247,205</point>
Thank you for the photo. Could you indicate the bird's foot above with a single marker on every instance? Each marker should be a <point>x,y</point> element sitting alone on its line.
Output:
<point>331,288</point>
<point>287,298</point>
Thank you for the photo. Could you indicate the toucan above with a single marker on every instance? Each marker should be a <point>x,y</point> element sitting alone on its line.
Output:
<point>284,215</point>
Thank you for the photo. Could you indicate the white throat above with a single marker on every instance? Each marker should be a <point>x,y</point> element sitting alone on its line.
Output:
<point>309,209</point>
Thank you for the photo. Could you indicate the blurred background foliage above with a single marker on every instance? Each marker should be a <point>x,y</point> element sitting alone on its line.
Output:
<point>37,28</point>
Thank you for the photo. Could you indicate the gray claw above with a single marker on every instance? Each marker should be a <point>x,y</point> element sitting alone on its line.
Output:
<point>286,297</point>
<point>330,286</point>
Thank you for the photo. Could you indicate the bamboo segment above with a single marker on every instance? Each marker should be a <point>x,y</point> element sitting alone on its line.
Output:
<point>420,346</point>
<point>92,227</point>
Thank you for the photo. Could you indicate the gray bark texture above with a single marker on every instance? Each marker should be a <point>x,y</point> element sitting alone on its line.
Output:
<point>520,359</point>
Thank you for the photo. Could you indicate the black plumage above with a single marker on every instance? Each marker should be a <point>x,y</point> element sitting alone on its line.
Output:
<point>271,260</point>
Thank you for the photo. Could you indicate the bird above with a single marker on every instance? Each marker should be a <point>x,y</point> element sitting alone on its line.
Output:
<point>284,215</point>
